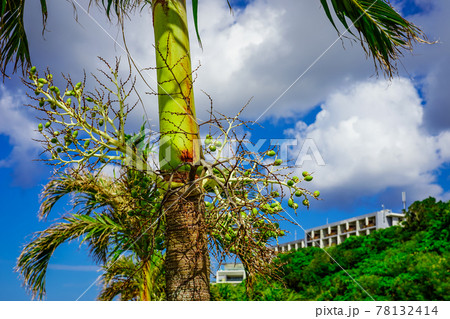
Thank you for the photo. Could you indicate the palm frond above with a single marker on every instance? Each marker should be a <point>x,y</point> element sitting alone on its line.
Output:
<point>382,31</point>
<point>195,14</point>
<point>121,278</point>
<point>13,39</point>
<point>130,278</point>
<point>120,7</point>
<point>33,261</point>
<point>90,192</point>
<point>153,287</point>
<point>109,235</point>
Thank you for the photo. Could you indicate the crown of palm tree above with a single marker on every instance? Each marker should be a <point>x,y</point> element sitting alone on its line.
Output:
<point>382,31</point>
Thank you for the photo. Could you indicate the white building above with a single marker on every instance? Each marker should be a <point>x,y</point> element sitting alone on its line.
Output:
<point>233,273</point>
<point>335,233</point>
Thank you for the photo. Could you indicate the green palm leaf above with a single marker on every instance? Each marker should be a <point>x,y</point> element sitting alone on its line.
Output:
<point>383,33</point>
<point>119,279</point>
<point>108,235</point>
<point>13,39</point>
<point>195,14</point>
<point>33,261</point>
<point>121,7</point>
<point>90,192</point>
<point>132,278</point>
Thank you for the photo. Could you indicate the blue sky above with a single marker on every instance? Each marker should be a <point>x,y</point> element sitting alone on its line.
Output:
<point>377,137</point>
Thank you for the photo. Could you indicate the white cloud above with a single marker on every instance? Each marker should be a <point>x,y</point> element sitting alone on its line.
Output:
<point>15,123</point>
<point>73,47</point>
<point>260,52</point>
<point>257,52</point>
<point>371,138</point>
<point>430,64</point>
<point>263,49</point>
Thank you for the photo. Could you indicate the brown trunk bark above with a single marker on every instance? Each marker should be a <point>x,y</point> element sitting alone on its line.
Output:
<point>187,258</point>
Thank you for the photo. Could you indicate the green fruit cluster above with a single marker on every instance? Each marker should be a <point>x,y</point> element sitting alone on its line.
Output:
<point>272,208</point>
<point>208,139</point>
<point>55,90</point>
<point>292,204</point>
<point>307,176</point>
<point>275,194</point>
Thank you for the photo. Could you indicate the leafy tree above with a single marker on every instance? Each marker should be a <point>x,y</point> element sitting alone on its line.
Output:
<point>396,263</point>
<point>262,290</point>
<point>382,32</point>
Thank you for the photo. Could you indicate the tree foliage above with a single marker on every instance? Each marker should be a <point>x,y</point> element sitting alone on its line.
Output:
<point>384,34</point>
<point>397,263</point>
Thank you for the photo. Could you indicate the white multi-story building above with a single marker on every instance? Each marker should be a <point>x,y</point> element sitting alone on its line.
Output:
<point>335,233</point>
<point>233,273</point>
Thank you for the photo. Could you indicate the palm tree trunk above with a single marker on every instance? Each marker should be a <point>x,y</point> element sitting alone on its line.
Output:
<point>177,120</point>
<point>187,259</point>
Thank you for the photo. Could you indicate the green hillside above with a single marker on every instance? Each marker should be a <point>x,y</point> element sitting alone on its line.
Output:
<point>398,263</point>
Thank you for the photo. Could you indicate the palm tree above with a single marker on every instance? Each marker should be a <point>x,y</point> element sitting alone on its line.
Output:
<point>127,278</point>
<point>124,237</point>
<point>383,33</point>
